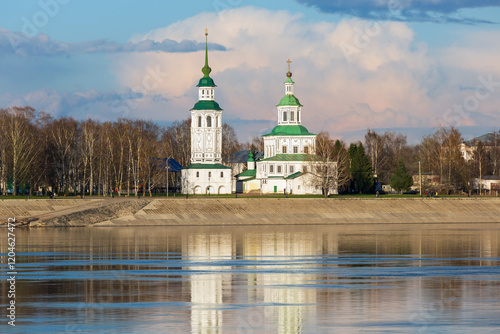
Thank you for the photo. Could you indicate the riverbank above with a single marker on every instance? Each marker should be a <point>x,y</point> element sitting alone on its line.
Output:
<point>250,211</point>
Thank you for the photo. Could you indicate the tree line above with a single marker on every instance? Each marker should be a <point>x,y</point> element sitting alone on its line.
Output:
<point>128,156</point>
<point>90,157</point>
<point>388,159</point>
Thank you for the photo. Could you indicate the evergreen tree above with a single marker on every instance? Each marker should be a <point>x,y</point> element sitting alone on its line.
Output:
<point>361,169</point>
<point>401,179</point>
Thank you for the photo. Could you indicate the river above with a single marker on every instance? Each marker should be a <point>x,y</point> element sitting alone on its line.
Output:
<point>265,279</point>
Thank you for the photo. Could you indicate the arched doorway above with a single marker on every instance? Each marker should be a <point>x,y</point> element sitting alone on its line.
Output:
<point>222,190</point>
<point>210,190</point>
<point>197,190</point>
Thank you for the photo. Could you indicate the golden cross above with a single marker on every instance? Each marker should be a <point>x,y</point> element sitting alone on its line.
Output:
<point>289,62</point>
<point>206,31</point>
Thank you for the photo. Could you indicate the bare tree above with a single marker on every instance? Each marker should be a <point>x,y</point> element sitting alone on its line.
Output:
<point>441,155</point>
<point>20,139</point>
<point>329,164</point>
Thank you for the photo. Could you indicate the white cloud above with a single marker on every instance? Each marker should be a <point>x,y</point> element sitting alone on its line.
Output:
<point>387,74</point>
<point>389,80</point>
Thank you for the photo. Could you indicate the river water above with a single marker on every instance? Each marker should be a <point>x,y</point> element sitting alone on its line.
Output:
<point>288,279</point>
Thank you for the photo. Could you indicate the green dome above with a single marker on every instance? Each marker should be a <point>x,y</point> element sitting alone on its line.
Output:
<point>289,100</point>
<point>206,82</point>
<point>290,130</point>
<point>206,105</point>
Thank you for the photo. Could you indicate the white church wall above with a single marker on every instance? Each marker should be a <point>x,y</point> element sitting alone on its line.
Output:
<point>205,181</point>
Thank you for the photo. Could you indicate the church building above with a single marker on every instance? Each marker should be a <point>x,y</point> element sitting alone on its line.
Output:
<point>289,157</point>
<point>206,174</point>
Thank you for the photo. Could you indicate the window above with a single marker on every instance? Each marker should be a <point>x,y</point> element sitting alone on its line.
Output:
<point>298,116</point>
<point>292,117</point>
<point>306,150</point>
<point>199,121</point>
<point>221,174</point>
<point>295,149</point>
<point>284,116</point>
<point>291,169</point>
<point>271,168</point>
<point>197,174</point>
<point>279,169</point>
<point>283,149</point>
<point>298,187</point>
<point>304,169</point>
<point>209,174</point>
<point>209,122</point>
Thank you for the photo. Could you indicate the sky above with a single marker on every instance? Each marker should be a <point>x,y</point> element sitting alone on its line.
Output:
<point>404,65</point>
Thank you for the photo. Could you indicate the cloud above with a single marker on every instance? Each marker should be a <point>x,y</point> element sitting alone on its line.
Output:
<point>41,45</point>
<point>103,106</point>
<point>404,10</point>
<point>388,79</point>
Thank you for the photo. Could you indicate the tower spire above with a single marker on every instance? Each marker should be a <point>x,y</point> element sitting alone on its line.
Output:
<point>206,69</point>
<point>289,74</point>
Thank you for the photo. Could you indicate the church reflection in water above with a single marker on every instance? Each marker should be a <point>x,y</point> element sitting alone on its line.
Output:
<point>208,281</point>
<point>259,279</point>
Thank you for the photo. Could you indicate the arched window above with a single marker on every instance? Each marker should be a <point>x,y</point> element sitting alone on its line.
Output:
<point>199,121</point>
<point>209,122</point>
<point>292,117</point>
<point>284,116</point>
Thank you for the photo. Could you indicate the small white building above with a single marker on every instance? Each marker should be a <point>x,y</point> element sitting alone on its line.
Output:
<point>206,174</point>
<point>487,185</point>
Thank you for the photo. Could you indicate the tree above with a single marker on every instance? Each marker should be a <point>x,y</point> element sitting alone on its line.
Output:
<point>401,179</point>
<point>324,164</point>
<point>20,133</point>
<point>385,150</point>
<point>361,169</point>
<point>440,154</point>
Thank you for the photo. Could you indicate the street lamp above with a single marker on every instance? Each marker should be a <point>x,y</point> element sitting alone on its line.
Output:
<point>167,167</point>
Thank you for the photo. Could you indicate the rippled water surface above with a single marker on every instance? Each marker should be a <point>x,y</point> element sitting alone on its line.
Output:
<point>300,279</point>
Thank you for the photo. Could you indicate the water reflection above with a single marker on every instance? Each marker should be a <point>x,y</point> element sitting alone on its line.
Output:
<point>298,279</point>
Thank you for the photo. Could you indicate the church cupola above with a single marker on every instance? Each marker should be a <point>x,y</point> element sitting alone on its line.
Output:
<point>206,86</point>
<point>250,161</point>
<point>289,108</point>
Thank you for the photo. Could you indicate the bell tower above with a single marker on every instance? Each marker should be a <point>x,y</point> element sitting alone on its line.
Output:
<point>206,120</point>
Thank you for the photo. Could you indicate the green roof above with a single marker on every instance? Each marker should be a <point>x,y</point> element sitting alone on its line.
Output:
<point>292,157</point>
<point>294,175</point>
<point>289,80</point>
<point>206,166</point>
<point>206,82</point>
<point>289,100</point>
<point>248,172</point>
<point>290,130</point>
<point>206,105</point>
